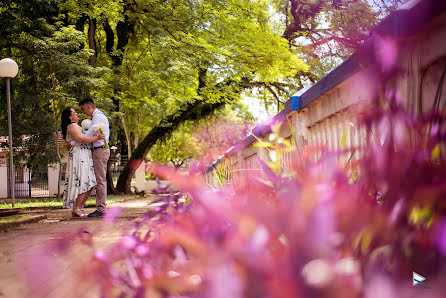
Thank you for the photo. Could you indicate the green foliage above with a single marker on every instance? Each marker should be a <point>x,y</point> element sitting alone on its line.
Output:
<point>111,10</point>
<point>176,150</point>
<point>181,52</point>
<point>53,73</point>
<point>63,66</point>
<point>13,218</point>
<point>207,136</point>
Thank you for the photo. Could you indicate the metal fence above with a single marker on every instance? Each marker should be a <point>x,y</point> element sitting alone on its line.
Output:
<point>29,183</point>
<point>116,164</point>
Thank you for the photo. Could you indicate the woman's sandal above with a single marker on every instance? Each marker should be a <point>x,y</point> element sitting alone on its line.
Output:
<point>78,213</point>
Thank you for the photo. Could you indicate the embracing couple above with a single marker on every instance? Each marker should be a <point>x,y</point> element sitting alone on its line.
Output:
<point>88,156</point>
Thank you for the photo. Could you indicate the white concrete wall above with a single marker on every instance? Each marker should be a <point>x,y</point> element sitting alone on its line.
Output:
<point>3,181</point>
<point>53,180</point>
<point>140,177</point>
<point>3,175</point>
<point>422,60</point>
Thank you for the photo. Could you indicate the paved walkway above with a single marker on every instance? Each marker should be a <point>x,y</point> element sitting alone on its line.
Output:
<point>19,248</point>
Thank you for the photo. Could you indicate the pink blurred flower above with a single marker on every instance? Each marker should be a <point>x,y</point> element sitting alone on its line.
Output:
<point>224,274</point>
<point>100,255</point>
<point>112,213</point>
<point>440,236</point>
<point>386,51</point>
<point>318,273</point>
<point>142,250</point>
<point>129,242</point>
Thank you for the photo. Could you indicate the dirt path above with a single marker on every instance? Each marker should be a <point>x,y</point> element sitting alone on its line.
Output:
<point>24,253</point>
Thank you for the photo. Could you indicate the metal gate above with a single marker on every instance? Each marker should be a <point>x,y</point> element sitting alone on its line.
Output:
<point>116,165</point>
<point>29,183</point>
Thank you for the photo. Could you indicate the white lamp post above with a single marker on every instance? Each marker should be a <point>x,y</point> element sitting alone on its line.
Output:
<point>8,71</point>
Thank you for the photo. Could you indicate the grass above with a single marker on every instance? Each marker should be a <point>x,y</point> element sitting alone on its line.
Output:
<point>12,218</point>
<point>54,202</point>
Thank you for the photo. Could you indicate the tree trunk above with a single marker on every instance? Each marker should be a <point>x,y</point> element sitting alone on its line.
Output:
<point>80,23</point>
<point>124,29</point>
<point>192,111</point>
<point>92,41</point>
<point>109,38</point>
<point>127,136</point>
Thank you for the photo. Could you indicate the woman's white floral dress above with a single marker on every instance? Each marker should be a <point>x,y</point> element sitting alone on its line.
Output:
<point>80,173</point>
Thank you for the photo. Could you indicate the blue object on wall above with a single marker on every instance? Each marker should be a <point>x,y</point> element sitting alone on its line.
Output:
<point>295,100</point>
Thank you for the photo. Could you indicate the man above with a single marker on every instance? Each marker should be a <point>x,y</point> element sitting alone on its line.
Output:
<point>100,154</point>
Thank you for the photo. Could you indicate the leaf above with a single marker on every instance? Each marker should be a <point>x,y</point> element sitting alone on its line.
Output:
<point>286,143</point>
<point>366,240</point>
<point>363,240</point>
<point>344,137</point>
<point>436,151</point>
<point>263,144</point>
<point>274,165</point>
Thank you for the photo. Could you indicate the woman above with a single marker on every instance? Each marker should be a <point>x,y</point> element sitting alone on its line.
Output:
<point>80,172</point>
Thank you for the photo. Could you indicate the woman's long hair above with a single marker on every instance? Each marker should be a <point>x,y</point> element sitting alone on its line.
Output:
<point>66,113</point>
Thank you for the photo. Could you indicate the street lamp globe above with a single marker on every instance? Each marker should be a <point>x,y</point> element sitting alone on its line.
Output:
<point>8,68</point>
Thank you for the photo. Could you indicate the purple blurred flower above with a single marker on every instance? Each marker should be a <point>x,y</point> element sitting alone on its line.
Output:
<point>440,236</point>
<point>386,51</point>
<point>325,191</point>
<point>142,250</point>
<point>147,271</point>
<point>435,129</point>
<point>100,255</point>
<point>129,242</point>
<point>259,238</point>
<point>397,211</point>
<point>224,274</point>
<point>179,255</point>
<point>112,213</point>
<point>380,286</point>
<point>318,273</point>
